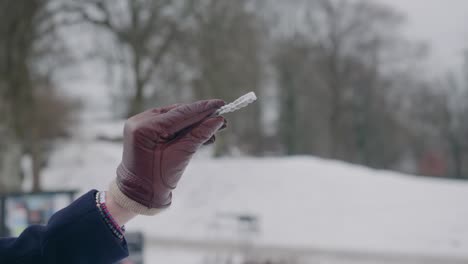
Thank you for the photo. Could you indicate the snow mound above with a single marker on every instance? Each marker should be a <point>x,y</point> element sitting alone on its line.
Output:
<point>301,202</point>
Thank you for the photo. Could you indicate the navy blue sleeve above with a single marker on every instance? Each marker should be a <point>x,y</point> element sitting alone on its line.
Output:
<point>75,234</point>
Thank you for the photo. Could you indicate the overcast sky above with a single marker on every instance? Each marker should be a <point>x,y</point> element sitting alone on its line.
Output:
<point>442,23</point>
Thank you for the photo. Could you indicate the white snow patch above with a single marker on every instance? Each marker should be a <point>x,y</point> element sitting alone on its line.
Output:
<point>300,202</point>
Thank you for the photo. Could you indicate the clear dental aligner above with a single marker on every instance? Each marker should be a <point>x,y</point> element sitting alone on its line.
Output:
<point>239,103</point>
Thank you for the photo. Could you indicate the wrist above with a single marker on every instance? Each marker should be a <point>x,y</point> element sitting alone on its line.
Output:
<point>111,222</point>
<point>128,203</point>
<point>119,213</point>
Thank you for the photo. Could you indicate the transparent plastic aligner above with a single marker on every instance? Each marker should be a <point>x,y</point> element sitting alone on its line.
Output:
<point>239,103</point>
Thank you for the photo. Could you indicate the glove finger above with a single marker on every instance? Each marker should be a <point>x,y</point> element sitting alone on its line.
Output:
<point>201,133</point>
<point>165,109</point>
<point>213,138</point>
<point>156,110</point>
<point>224,126</point>
<point>210,141</point>
<point>184,116</point>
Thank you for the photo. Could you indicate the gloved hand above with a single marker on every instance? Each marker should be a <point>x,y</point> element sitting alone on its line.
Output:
<point>158,145</point>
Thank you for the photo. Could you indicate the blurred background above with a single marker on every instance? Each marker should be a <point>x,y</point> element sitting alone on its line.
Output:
<point>356,151</point>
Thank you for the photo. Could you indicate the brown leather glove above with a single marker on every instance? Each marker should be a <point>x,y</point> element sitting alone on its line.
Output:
<point>158,145</point>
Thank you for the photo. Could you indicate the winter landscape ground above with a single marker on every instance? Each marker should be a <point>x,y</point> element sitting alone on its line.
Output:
<point>304,207</point>
<point>382,83</point>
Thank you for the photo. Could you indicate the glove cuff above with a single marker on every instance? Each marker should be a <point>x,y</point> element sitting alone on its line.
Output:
<point>121,199</point>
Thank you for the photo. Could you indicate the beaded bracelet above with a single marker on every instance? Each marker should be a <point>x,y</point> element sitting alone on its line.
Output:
<point>110,221</point>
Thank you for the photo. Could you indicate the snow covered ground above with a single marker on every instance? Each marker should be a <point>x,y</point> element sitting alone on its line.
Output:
<point>302,204</point>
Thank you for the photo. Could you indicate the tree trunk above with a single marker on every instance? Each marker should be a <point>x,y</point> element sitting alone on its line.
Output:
<point>334,133</point>
<point>457,160</point>
<point>36,158</point>
<point>10,161</point>
<point>136,103</point>
<point>289,122</point>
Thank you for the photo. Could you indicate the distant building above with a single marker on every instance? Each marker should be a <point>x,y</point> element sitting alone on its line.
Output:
<point>433,163</point>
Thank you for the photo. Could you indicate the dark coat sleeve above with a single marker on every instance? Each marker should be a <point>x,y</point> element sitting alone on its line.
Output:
<point>75,234</point>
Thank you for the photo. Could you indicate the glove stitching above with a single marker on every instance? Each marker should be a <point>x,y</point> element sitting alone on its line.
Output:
<point>152,177</point>
<point>132,177</point>
<point>161,174</point>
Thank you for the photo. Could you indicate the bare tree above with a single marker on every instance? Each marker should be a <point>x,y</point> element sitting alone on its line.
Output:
<point>145,30</point>
<point>27,37</point>
<point>439,120</point>
<point>350,37</point>
<point>302,123</point>
<point>452,124</point>
<point>336,78</point>
<point>227,41</point>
